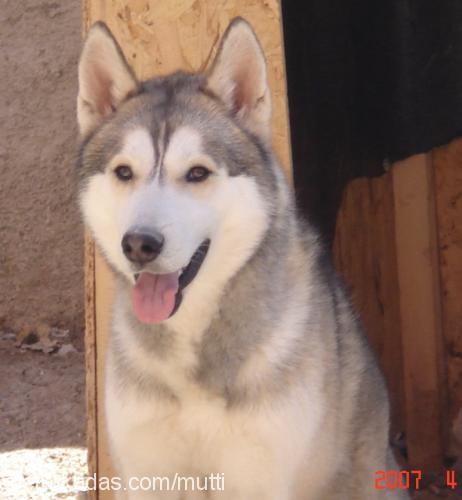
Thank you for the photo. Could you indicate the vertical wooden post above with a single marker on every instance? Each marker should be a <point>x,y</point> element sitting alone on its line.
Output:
<point>365,256</point>
<point>90,360</point>
<point>158,37</point>
<point>447,162</point>
<point>420,308</point>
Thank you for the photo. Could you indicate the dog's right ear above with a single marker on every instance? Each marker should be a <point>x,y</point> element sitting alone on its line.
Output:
<point>105,78</point>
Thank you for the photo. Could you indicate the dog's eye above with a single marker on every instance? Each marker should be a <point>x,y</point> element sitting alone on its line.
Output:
<point>197,173</point>
<point>123,173</point>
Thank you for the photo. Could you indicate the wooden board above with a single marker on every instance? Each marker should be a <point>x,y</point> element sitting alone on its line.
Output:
<point>159,37</point>
<point>91,359</point>
<point>420,309</point>
<point>365,256</point>
<point>447,161</point>
<point>389,247</point>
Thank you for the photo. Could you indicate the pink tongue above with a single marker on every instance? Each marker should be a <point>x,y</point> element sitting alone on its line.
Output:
<point>153,296</point>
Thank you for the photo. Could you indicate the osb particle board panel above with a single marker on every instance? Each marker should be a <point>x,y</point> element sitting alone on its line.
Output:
<point>447,161</point>
<point>364,254</point>
<point>161,36</point>
<point>158,37</point>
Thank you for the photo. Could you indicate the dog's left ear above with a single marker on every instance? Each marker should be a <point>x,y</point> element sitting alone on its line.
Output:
<point>238,77</point>
<point>105,78</point>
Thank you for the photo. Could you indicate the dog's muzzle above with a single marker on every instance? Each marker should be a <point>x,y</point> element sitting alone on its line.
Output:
<point>157,297</point>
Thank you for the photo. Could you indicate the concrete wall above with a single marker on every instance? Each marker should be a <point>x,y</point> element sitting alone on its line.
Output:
<point>41,247</point>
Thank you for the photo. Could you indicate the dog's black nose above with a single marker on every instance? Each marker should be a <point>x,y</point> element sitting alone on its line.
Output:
<point>142,248</point>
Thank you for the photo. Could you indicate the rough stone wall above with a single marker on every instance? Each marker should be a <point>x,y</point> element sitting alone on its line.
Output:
<point>41,247</point>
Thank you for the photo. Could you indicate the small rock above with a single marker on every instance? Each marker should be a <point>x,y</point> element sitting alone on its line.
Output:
<point>38,340</point>
<point>7,336</point>
<point>66,349</point>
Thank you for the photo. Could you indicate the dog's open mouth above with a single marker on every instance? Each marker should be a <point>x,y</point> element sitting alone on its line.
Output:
<point>156,297</point>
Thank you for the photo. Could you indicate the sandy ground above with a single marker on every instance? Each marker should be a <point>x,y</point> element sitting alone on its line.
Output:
<point>42,421</point>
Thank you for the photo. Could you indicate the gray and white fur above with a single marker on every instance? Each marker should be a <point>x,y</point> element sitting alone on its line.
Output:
<point>262,372</point>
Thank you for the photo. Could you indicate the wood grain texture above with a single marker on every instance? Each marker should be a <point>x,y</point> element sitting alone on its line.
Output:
<point>162,36</point>
<point>394,236</point>
<point>447,161</point>
<point>91,360</point>
<point>420,309</point>
<point>159,37</point>
<point>365,256</point>
<point>90,343</point>
<point>104,290</point>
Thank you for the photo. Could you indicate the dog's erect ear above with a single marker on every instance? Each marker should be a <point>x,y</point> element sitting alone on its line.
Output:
<point>238,77</point>
<point>105,78</point>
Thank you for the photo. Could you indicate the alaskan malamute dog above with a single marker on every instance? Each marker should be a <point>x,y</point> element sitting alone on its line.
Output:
<point>233,349</point>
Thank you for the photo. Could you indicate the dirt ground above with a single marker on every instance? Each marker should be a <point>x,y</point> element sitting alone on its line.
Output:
<point>42,420</point>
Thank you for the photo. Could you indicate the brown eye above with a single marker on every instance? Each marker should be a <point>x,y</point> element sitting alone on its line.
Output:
<point>123,173</point>
<point>197,174</point>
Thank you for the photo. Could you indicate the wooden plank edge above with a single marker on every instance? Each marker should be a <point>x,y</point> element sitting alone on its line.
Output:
<point>90,329</point>
<point>441,353</point>
<point>289,168</point>
<point>417,259</point>
<point>90,361</point>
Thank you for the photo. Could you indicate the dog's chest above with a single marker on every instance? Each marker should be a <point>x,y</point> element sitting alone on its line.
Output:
<point>180,427</point>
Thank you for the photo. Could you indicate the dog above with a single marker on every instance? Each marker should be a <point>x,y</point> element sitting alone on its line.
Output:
<point>233,348</point>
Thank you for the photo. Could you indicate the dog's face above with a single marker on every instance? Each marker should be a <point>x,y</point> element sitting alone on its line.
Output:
<point>176,176</point>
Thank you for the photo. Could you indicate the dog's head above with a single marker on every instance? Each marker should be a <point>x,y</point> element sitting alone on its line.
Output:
<point>178,181</point>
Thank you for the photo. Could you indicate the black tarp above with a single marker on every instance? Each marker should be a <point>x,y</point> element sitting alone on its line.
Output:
<point>369,82</point>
